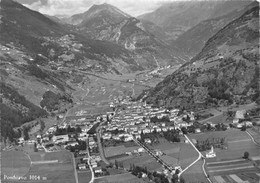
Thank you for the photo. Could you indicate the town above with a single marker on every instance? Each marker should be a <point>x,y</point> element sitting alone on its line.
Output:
<point>119,142</point>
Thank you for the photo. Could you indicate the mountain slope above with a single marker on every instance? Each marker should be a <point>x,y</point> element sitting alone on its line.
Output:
<point>225,71</point>
<point>177,17</point>
<point>192,41</point>
<point>39,56</point>
<point>108,23</point>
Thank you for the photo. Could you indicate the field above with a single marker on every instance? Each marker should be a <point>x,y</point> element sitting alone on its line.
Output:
<point>121,178</point>
<point>89,109</point>
<point>233,171</point>
<point>180,153</point>
<point>14,163</point>
<point>238,142</point>
<point>143,160</point>
<point>84,176</point>
<point>53,167</point>
<point>195,173</point>
<point>228,165</point>
<point>99,91</point>
<point>118,150</point>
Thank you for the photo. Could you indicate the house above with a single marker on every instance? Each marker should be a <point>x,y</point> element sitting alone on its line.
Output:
<point>197,130</point>
<point>21,140</point>
<point>138,136</point>
<point>83,152</point>
<point>158,129</point>
<point>235,120</point>
<point>128,138</point>
<point>140,150</point>
<point>82,166</point>
<point>74,143</point>
<point>128,153</point>
<point>164,129</point>
<point>240,114</point>
<point>60,139</point>
<point>93,163</point>
<point>116,137</point>
<point>98,170</point>
<point>146,130</point>
<point>248,123</point>
<point>158,152</point>
<point>148,141</point>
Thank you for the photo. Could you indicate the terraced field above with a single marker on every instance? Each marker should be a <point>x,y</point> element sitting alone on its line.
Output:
<point>233,171</point>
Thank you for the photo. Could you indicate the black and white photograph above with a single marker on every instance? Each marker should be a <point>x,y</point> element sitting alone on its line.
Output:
<point>129,91</point>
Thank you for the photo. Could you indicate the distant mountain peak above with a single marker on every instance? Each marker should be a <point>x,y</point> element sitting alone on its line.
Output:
<point>108,7</point>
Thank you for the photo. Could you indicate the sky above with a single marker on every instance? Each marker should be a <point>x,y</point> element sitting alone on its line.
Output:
<point>71,7</point>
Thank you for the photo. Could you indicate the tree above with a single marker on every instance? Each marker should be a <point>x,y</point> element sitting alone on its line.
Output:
<point>246,155</point>
<point>35,147</point>
<point>175,178</point>
<point>42,124</point>
<point>26,133</point>
<point>184,130</point>
<point>69,129</point>
<point>243,128</point>
<point>116,164</point>
<point>78,129</point>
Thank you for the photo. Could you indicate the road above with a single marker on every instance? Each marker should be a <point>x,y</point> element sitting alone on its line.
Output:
<point>158,159</point>
<point>100,147</point>
<point>200,156</point>
<point>123,81</point>
<point>90,167</point>
<point>133,93</point>
<point>75,169</point>
<point>252,138</point>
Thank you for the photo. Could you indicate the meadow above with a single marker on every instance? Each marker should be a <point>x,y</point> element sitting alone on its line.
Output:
<point>120,178</point>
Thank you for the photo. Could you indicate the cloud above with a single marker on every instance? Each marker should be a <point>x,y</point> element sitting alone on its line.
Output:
<point>70,7</point>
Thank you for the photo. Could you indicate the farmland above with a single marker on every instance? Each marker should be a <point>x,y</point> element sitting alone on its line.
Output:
<point>14,163</point>
<point>84,176</point>
<point>237,142</point>
<point>143,160</point>
<point>229,165</point>
<point>40,167</point>
<point>237,170</point>
<point>120,178</point>
<point>181,153</point>
<point>195,173</point>
<point>117,150</point>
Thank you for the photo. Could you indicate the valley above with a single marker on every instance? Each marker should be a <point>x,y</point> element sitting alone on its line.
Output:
<point>169,96</point>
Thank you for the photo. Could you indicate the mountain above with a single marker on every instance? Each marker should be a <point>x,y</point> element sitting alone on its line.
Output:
<point>107,23</point>
<point>177,17</point>
<point>39,58</point>
<point>98,12</point>
<point>224,72</point>
<point>192,41</point>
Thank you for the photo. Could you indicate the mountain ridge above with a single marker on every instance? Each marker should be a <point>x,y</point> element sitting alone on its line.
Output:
<point>108,23</point>
<point>177,17</point>
<point>226,71</point>
<point>192,41</point>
